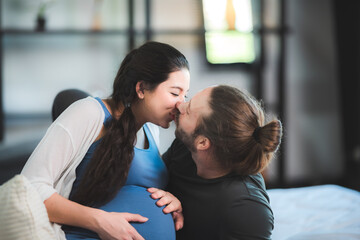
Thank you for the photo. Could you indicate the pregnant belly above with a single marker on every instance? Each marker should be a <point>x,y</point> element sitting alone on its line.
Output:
<point>135,199</point>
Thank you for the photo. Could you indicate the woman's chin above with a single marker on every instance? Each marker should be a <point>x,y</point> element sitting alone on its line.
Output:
<point>165,124</point>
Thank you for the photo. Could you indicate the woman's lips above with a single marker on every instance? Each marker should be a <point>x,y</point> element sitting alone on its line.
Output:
<point>172,116</point>
<point>175,116</point>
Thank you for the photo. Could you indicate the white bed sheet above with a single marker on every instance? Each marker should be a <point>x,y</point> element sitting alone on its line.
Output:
<point>326,212</point>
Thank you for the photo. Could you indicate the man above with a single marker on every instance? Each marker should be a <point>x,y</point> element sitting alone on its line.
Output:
<point>221,146</point>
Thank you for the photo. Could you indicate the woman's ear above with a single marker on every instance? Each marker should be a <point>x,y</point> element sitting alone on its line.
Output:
<point>139,88</point>
<point>202,143</point>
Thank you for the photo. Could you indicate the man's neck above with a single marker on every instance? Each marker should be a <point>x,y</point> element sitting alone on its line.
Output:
<point>207,166</point>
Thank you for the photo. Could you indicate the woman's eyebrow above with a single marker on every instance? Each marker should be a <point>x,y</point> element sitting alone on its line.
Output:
<point>180,88</point>
<point>176,87</point>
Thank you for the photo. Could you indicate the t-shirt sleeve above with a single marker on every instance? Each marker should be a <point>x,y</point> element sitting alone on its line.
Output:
<point>249,220</point>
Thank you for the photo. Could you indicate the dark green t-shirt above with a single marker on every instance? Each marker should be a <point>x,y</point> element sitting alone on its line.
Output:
<point>227,208</point>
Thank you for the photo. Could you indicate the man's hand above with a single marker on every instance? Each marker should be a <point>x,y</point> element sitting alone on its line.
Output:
<point>116,226</point>
<point>173,205</point>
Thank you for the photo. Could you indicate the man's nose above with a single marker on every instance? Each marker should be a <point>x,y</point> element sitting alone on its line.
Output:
<point>181,107</point>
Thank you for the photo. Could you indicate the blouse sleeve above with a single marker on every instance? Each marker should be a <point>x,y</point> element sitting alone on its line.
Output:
<point>48,160</point>
<point>77,126</point>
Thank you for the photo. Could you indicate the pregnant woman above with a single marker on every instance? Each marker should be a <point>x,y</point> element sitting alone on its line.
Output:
<point>97,159</point>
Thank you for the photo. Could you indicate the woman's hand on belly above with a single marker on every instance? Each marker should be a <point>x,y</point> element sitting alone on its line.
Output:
<point>173,205</point>
<point>114,225</point>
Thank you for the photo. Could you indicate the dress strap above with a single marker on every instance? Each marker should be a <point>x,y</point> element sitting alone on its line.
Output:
<point>106,111</point>
<point>149,136</point>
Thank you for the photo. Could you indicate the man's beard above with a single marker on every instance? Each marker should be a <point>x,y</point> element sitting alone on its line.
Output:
<point>187,139</point>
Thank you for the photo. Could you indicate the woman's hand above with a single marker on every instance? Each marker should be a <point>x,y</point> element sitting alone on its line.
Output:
<point>114,225</point>
<point>108,225</point>
<point>173,205</point>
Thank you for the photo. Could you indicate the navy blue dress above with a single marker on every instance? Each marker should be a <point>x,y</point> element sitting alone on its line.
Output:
<point>147,170</point>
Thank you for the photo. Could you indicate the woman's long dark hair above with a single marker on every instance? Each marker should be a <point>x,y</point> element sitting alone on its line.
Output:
<point>108,169</point>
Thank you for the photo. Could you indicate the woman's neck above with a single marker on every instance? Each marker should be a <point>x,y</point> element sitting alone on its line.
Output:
<point>139,114</point>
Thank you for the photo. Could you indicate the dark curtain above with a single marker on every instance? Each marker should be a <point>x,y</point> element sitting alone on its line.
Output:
<point>347,36</point>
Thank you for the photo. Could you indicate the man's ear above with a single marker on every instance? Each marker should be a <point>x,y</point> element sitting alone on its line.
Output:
<point>202,143</point>
<point>139,88</point>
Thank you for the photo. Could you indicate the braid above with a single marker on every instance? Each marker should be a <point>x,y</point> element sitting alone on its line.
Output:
<point>97,187</point>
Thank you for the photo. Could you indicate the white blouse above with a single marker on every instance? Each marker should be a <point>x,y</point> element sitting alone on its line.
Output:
<point>51,167</point>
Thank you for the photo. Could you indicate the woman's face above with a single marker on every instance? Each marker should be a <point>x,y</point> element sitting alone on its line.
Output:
<point>159,105</point>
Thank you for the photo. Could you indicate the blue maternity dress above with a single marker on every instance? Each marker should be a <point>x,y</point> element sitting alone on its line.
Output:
<point>147,170</point>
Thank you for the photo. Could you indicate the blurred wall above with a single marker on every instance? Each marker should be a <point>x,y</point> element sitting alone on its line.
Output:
<point>36,67</point>
<point>313,114</point>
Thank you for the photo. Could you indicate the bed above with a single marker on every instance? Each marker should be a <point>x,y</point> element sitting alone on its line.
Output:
<point>326,212</point>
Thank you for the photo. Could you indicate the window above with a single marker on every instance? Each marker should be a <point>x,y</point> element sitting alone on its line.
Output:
<point>228,31</point>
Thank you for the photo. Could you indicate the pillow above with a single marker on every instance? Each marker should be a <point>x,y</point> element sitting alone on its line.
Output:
<point>22,213</point>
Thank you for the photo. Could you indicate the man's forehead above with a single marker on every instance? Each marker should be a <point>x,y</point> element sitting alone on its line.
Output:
<point>201,100</point>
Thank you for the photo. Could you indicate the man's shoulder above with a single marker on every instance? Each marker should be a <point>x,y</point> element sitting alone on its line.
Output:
<point>177,152</point>
<point>250,187</point>
<point>178,146</point>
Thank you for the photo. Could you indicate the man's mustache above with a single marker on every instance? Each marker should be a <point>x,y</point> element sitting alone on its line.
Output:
<point>177,114</point>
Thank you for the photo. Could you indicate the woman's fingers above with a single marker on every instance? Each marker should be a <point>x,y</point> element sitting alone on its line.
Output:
<point>130,217</point>
<point>115,225</point>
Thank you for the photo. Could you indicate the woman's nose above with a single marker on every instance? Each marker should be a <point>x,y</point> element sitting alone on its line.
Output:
<point>182,99</point>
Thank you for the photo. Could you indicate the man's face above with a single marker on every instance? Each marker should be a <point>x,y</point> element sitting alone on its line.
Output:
<point>189,115</point>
